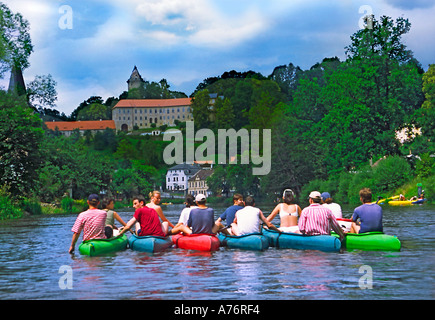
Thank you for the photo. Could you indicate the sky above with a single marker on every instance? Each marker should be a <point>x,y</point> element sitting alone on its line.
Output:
<point>90,47</point>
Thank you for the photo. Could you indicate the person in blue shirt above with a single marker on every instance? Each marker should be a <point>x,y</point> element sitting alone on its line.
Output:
<point>230,213</point>
<point>369,214</point>
<point>201,219</point>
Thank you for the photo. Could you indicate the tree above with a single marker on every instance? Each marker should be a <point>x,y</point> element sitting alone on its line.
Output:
<point>41,92</point>
<point>224,114</point>
<point>355,108</point>
<point>201,109</point>
<point>94,111</point>
<point>15,43</point>
<point>21,135</point>
<point>426,115</point>
<point>287,77</point>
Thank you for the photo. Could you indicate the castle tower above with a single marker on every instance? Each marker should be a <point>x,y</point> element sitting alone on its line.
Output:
<point>135,80</point>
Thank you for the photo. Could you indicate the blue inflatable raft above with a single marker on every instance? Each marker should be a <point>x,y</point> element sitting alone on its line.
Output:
<point>284,240</point>
<point>253,241</point>
<point>149,243</point>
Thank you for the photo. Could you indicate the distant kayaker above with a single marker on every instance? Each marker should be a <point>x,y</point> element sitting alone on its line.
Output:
<point>201,219</point>
<point>110,229</point>
<point>91,222</point>
<point>146,220</point>
<point>154,204</point>
<point>334,207</point>
<point>288,213</point>
<point>249,218</point>
<point>317,219</point>
<point>369,214</point>
<point>230,213</point>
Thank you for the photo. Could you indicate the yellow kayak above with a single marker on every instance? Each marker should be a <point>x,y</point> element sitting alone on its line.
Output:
<point>400,203</point>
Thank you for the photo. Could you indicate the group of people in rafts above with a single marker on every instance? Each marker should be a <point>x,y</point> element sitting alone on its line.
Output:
<point>242,218</point>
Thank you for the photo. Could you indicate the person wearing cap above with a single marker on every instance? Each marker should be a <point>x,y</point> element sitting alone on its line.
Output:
<point>317,219</point>
<point>249,218</point>
<point>201,219</point>
<point>230,213</point>
<point>334,207</point>
<point>369,214</point>
<point>92,222</point>
<point>288,212</point>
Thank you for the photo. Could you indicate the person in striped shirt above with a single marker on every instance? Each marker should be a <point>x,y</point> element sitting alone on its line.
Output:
<point>317,219</point>
<point>92,222</point>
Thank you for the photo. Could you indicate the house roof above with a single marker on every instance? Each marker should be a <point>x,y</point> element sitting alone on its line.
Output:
<point>82,125</point>
<point>188,169</point>
<point>202,174</point>
<point>152,103</point>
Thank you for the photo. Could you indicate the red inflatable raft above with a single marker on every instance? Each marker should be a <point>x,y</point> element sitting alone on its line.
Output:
<point>201,242</point>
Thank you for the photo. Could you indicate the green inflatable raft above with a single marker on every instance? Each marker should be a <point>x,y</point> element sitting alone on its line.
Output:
<point>96,247</point>
<point>371,241</point>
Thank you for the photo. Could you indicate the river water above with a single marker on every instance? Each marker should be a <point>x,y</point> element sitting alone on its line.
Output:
<point>34,261</point>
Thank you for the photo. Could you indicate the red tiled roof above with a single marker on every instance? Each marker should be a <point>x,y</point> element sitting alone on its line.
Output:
<point>152,103</point>
<point>82,125</point>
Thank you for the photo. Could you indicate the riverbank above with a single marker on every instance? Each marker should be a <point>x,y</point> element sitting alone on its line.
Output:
<point>343,190</point>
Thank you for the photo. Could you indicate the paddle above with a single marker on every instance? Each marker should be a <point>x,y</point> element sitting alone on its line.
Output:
<point>391,198</point>
<point>222,229</point>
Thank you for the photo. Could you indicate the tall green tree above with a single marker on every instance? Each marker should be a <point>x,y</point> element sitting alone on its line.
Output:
<point>426,115</point>
<point>15,43</point>
<point>21,135</point>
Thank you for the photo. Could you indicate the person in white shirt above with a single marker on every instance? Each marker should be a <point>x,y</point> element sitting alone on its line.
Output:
<point>248,219</point>
<point>185,213</point>
<point>190,204</point>
<point>334,207</point>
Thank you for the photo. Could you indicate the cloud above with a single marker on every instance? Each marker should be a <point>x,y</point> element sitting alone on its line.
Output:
<point>199,23</point>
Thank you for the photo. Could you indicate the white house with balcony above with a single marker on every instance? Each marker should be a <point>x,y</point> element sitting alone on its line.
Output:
<point>178,176</point>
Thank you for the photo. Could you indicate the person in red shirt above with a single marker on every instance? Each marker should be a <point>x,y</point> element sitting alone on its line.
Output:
<point>92,222</point>
<point>147,222</point>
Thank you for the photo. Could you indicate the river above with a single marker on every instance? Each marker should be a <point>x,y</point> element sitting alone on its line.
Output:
<point>34,256</point>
